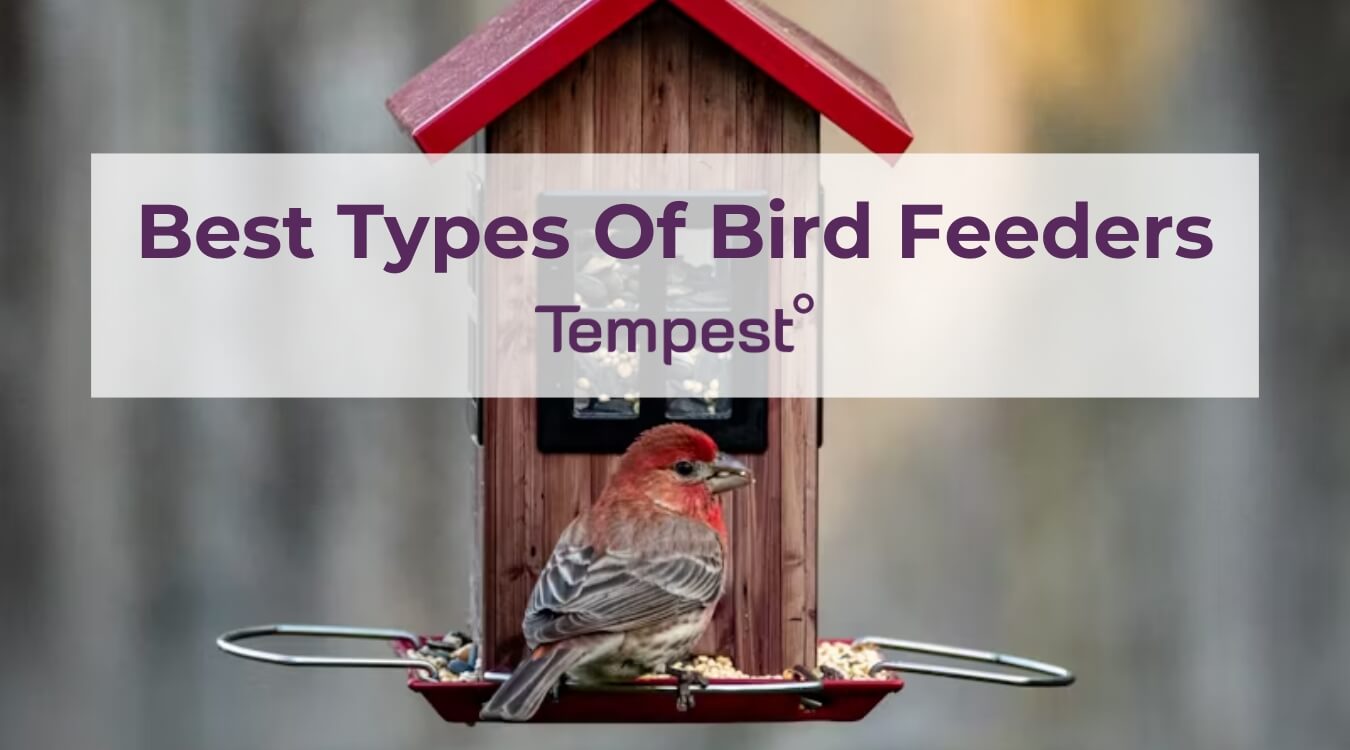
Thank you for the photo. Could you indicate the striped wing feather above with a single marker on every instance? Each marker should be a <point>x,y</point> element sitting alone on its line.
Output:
<point>582,591</point>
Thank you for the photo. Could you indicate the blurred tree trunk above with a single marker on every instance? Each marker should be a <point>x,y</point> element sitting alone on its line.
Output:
<point>1305,107</point>
<point>134,532</point>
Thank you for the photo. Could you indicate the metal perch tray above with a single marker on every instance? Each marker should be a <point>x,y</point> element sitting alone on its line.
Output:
<point>654,701</point>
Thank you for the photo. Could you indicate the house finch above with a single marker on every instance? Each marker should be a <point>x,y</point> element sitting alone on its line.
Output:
<point>634,580</point>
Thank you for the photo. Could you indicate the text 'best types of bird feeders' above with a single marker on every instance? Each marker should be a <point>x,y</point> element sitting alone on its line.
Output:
<point>702,76</point>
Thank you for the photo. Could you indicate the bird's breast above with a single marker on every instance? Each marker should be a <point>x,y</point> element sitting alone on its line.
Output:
<point>649,650</point>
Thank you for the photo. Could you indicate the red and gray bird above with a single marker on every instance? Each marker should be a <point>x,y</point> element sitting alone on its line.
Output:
<point>634,580</point>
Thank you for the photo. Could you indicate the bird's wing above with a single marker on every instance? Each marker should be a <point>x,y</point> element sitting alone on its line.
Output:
<point>581,591</point>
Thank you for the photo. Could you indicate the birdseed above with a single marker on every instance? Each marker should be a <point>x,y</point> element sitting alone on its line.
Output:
<point>850,661</point>
<point>834,661</point>
<point>455,657</point>
<point>457,660</point>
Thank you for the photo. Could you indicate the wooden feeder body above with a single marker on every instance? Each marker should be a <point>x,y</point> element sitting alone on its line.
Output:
<point>661,84</point>
<point>646,76</point>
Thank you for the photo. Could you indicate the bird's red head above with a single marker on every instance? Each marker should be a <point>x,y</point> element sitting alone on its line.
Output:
<point>662,447</point>
<point>679,469</point>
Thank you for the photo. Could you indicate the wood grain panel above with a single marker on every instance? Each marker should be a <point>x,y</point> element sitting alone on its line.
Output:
<point>757,547</point>
<point>514,523</point>
<point>568,105</point>
<point>513,505</point>
<point>659,85</point>
<point>797,529</point>
<point>618,115</point>
<point>798,430</point>
<point>714,74</point>
<point>755,522</point>
<point>666,39</point>
<point>618,83</point>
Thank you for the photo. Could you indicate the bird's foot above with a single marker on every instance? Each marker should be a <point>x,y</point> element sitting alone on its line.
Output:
<point>686,679</point>
<point>830,673</point>
<point>555,694</point>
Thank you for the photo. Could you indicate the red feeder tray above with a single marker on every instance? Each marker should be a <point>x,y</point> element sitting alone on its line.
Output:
<point>654,701</point>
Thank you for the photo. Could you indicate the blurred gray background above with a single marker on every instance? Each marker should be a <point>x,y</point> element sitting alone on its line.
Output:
<point>1189,559</point>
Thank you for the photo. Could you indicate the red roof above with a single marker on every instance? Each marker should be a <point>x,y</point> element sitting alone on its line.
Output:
<point>534,40</point>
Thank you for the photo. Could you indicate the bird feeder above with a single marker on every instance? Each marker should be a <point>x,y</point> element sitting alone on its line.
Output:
<point>719,76</point>
<point>633,77</point>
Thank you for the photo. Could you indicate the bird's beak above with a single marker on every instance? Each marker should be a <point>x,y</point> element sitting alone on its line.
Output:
<point>728,474</point>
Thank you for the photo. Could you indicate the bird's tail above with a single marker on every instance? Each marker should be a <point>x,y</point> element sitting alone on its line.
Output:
<point>520,697</point>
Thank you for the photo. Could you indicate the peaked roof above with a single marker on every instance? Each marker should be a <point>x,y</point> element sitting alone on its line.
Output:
<point>533,40</point>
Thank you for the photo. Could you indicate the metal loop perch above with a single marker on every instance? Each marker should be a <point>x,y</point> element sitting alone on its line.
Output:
<point>1050,675</point>
<point>229,644</point>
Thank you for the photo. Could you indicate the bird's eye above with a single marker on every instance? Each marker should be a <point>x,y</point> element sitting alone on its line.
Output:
<point>684,469</point>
